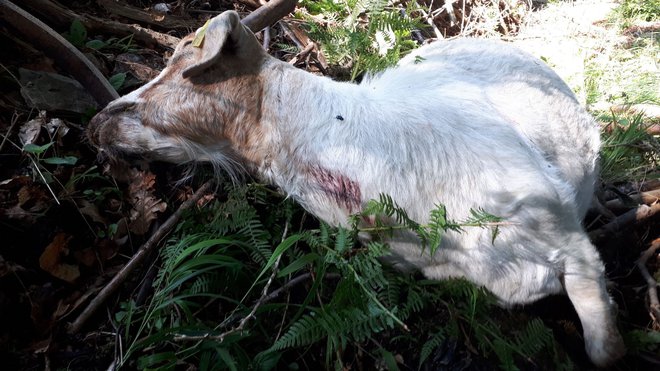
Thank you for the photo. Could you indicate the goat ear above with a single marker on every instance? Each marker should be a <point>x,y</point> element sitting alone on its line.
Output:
<point>222,29</point>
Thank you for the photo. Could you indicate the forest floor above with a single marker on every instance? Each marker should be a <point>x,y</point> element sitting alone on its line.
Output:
<point>67,228</point>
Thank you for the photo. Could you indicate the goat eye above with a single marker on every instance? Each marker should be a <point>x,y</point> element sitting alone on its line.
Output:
<point>188,42</point>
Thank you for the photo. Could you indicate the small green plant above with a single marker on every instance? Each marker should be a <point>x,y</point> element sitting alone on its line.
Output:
<point>38,151</point>
<point>77,35</point>
<point>638,10</point>
<point>638,341</point>
<point>117,80</point>
<point>628,151</point>
<point>429,234</point>
<point>36,154</point>
<point>363,35</point>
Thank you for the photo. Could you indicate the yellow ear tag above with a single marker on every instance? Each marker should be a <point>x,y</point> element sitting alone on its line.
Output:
<point>199,38</point>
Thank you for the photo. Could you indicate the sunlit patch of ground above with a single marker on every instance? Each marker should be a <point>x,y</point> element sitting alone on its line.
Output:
<point>604,61</point>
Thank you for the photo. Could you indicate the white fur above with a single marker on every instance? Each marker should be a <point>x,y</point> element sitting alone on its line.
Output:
<point>468,124</point>
<point>473,124</point>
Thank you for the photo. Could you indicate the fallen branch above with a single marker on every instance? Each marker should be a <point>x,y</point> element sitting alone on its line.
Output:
<point>136,14</point>
<point>55,46</point>
<point>268,14</point>
<point>649,185</point>
<point>646,198</point>
<point>639,214</point>
<point>63,17</point>
<point>304,43</point>
<point>137,259</point>
<point>652,285</point>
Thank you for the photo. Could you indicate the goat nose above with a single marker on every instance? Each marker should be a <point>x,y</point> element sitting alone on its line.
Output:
<point>102,156</point>
<point>94,127</point>
<point>100,124</point>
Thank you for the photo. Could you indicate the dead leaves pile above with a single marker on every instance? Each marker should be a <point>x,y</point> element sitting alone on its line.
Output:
<point>146,206</point>
<point>66,228</point>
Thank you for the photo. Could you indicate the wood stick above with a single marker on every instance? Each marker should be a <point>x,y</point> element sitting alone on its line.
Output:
<point>137,258</point>
<point>652,285</point>
<point>127,11</point>
<point>636,215</point>
<point>58,48</point>
<point>63,17</point>
<point>646,198</point>
<point>268,14</point>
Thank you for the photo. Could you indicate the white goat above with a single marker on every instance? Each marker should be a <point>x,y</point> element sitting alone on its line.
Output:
<point>466,123</point>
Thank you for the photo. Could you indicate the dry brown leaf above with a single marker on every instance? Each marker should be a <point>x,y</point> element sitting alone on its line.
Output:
<point>86,257</point>
<point>51,259</point>
<point>32,198</point>
<point>92,211</point>
<point>41,347</point>
<point>17,213</point>
<point>57,128</point>
<point>145,204</point>
<point>132,63</point>
<point>15,182</point>
<point>205,200</point>
<point>29,132</point>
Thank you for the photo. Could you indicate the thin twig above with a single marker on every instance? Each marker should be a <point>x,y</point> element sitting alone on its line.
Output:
<point>295,281</point>
<point>62,16</point>
<point>303,54</point>
<point>429,20</point>
<point>652,285</point>
<point>43,178</point>
<point>264,292</point>
<point>137,258</point>
<point>14,120</point>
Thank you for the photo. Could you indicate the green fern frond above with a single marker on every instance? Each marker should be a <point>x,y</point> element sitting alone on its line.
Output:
<point>202,284</point>
<point>259,239</point>
<point>437,226</point>
<point>504,353</point>
<point>391,293</point>
<point>534,338</point>
<point>430,345</point>
<point>348,41</point>
<point>340,325</point>
<point>415,302</point>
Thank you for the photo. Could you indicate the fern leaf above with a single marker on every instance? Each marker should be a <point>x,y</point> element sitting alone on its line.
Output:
<point>437,226</point>
<point>430,345</point>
